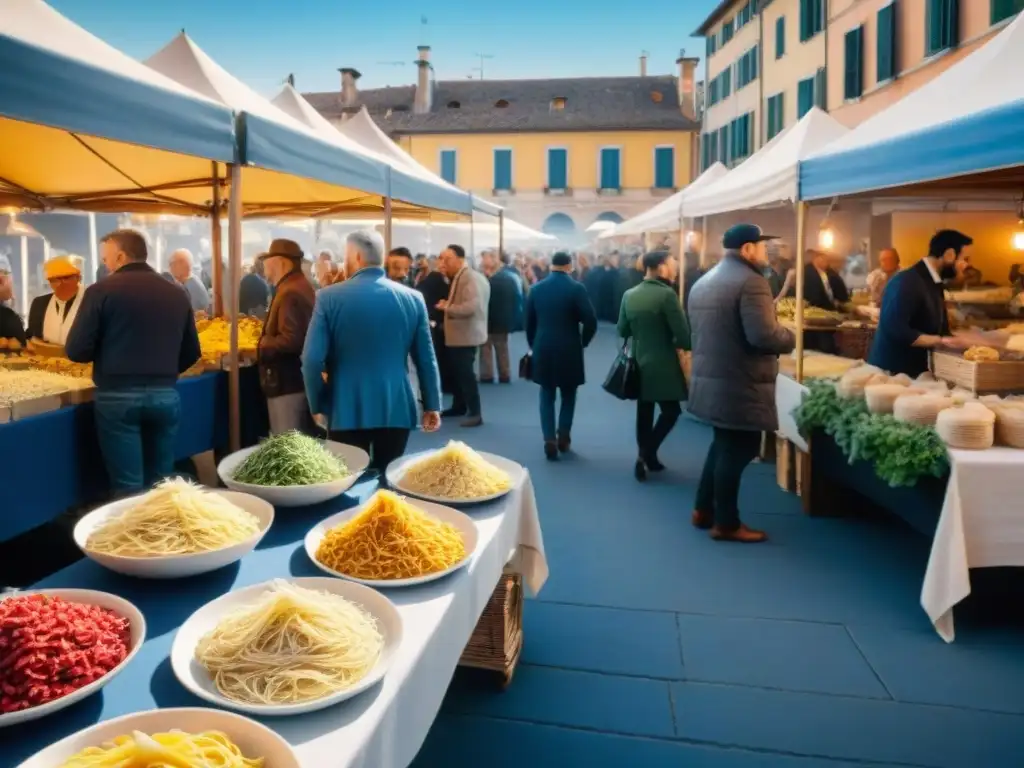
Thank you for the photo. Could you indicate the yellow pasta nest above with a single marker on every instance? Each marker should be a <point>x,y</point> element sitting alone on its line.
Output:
<point>215,335</point>
<point>389,540</point>
<point>210,749</point>
<point>455,472</point>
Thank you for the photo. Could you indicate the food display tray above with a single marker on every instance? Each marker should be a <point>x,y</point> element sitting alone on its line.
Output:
<point>23,409</point>
<point>981,378</point>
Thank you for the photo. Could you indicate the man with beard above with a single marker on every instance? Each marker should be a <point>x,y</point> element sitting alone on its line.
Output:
<point>914,318</point>
<point>400,265</point>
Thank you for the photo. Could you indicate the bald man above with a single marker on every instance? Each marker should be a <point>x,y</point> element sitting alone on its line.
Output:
<point>888,265</point>
<point>181,268</point>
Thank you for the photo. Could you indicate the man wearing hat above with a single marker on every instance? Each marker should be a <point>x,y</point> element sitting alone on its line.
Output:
<point>51,316</point>
<point>736,343</point>
<point>10,323</point>
<point>284,335</point>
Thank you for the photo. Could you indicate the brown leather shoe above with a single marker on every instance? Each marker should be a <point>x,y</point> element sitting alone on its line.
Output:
<point>702,520</point>
<point>742,535</point>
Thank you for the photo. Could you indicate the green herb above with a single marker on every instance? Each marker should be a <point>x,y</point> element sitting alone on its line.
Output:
<point>902,453</point>
<point>290,459</point>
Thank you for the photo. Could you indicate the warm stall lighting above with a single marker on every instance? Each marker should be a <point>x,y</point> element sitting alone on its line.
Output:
<point>826,238</point>
<point>1018,237</point>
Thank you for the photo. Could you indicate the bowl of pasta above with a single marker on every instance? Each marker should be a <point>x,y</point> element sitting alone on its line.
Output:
<point>187,736</point>
<point>178,529</point>
<point>288,646</point>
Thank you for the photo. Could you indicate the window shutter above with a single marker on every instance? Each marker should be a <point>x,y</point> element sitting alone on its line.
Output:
<point>1004,9</point>
<point>664,167</point>
<point>885,59</point>
<point>448,167</point>
<point>820,94</point>
<point>503,169</point>
<point>557,168</point>
<point>780,37</point>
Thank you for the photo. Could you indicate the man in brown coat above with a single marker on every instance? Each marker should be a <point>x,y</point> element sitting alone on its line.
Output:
<point>284,334</point>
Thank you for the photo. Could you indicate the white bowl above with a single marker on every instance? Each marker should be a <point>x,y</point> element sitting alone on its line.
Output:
<point>356,459</point>
<point>252,738</point>
<point>396,471</point>
<point>195,678</point>
<point>174,566</point>
<point>106,600</point>
<point>466,526</point>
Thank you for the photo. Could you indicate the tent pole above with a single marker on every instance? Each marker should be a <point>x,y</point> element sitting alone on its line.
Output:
<point>801,235</point>
<point>472,245</point>
<point>93,250</point>
<point>387,217</point>
<point>24,277</point>
<point>703,242</point>
<point>501,234</point>
<point>216,247</point>
<point>682,260</point>
<point>157,228</point>
<point>234,278</point>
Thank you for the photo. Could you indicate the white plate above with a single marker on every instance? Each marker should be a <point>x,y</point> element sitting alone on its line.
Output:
<point>194,677</point>
<point>356,459</point>
<point>174,566</point>
<point>106,600</point>
<point>466,526</point>
<point>396,471</point>
<point>252,738</point>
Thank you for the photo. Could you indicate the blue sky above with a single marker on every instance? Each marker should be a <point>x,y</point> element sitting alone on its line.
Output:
<point>262,41</point>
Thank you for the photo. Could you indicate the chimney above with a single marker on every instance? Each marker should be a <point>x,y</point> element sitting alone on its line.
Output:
<point>424,95</point>
<point>686,84</point>
<point>643,64</point>
<point>349,91</point>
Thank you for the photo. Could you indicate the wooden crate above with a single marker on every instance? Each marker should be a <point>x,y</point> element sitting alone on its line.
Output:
<point>497,640</point>
<point>997,377</point>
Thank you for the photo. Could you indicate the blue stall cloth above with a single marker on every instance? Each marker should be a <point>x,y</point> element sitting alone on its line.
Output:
<point>51,463</point>
<point>149,682</point>
<point>929,137</point>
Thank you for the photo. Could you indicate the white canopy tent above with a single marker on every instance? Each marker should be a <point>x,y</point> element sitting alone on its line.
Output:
<point>770,175</point>
<point>666,215</point>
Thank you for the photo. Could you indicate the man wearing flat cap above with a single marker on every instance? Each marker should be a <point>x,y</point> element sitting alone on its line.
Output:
<point>51,316</point>
<point>737,341</point>
<point>284,335</point>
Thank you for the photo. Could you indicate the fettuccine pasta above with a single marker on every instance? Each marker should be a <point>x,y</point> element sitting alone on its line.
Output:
<point>456,472</point>
<point>175,749</point>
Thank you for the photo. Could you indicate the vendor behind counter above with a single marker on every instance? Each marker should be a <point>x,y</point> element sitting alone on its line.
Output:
<point>823,288</point>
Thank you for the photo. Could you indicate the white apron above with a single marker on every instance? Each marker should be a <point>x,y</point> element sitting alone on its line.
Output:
<point>55,327</point>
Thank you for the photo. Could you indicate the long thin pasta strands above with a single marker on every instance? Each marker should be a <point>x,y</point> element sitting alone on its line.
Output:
<point>174,749</point>
<point>291,645</point>
<point>391,539</point>
<point>455,472</point>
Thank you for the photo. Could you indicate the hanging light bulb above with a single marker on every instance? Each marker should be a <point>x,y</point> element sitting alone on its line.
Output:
<point>826,237</point>
<point>1018,237</point>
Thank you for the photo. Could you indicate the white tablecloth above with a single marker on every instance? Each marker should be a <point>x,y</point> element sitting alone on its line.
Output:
<point>385,727</point>
<point>788,395</point>
<point>981,526</point>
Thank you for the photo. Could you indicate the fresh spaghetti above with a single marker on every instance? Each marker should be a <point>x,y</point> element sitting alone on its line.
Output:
<point>174,749</point>
<point>389,540</point>
<point>290,646</point>
<point>456,472</point>
<point>175,518</point>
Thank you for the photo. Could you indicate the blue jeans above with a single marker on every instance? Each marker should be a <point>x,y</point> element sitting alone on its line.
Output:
<point>565,412</point>
<point>137,428</point>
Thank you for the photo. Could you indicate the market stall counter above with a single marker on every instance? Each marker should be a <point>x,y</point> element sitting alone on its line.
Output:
<point>385,726</point>
<point>51,462</point>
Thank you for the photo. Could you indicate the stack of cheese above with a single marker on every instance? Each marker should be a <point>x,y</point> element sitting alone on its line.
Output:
<point>853,382</point>
<point>1009,419</point>
<point>970,426</point>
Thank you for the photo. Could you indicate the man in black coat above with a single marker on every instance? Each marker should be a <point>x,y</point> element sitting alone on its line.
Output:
<point>139,333</point>
<point>914,318</point>
<point>825,289</point>
<point>434,287</point>
<point>11,326</point>
<point>503,309</point>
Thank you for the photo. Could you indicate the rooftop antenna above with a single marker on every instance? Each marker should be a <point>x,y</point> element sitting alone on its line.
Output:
<point>290,80</point>
<point>482,57</point>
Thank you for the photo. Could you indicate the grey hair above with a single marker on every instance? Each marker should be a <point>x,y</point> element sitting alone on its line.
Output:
<point>370,246</point>
<point>187,254</point>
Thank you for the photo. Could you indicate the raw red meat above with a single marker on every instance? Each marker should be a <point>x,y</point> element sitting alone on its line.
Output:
<point>50,647</point>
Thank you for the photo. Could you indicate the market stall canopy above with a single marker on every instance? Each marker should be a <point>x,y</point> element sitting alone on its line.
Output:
<point>600,227</point>
<point>961,131</point>
<point>364,131</point>
<point>86,126</point>
<point>666,215</point>
<point>485,233</point>
<point>291,170</point>
<point>769,176</point>
<point>367,135</point>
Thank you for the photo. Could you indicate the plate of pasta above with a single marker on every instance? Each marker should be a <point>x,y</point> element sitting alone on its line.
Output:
<point>390,541</point>
<point>177,529</point>
<point>192,736</point>
<point>288,646</point>
<point>455,474</point>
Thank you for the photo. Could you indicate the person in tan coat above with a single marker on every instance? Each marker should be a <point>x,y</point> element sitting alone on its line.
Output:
<point>465,329</point>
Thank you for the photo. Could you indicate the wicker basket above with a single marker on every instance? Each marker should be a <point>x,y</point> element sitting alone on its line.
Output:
<point>854,343</point>
<point>996,377</point>
<point>497,640</point>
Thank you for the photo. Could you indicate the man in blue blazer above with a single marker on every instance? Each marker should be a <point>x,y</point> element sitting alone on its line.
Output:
<point>354,364</point>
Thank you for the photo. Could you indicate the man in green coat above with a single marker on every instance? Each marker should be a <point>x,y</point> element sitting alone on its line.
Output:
<point>651,318</point>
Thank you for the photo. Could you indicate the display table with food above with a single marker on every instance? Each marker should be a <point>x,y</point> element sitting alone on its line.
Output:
<point>944,459</point>
<point>52,460</point>
<point>361,670</point>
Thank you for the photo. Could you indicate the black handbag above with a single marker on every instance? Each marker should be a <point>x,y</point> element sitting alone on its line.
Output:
<point>623,380</point>
<point>526,367</point>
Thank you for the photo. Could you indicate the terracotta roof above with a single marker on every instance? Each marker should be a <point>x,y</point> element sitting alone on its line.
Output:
<point>471,106</point>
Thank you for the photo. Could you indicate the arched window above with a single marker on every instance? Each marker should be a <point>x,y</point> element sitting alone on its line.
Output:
<point>501,103</point>
<point>611,216</point>
<point>559,224</point>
